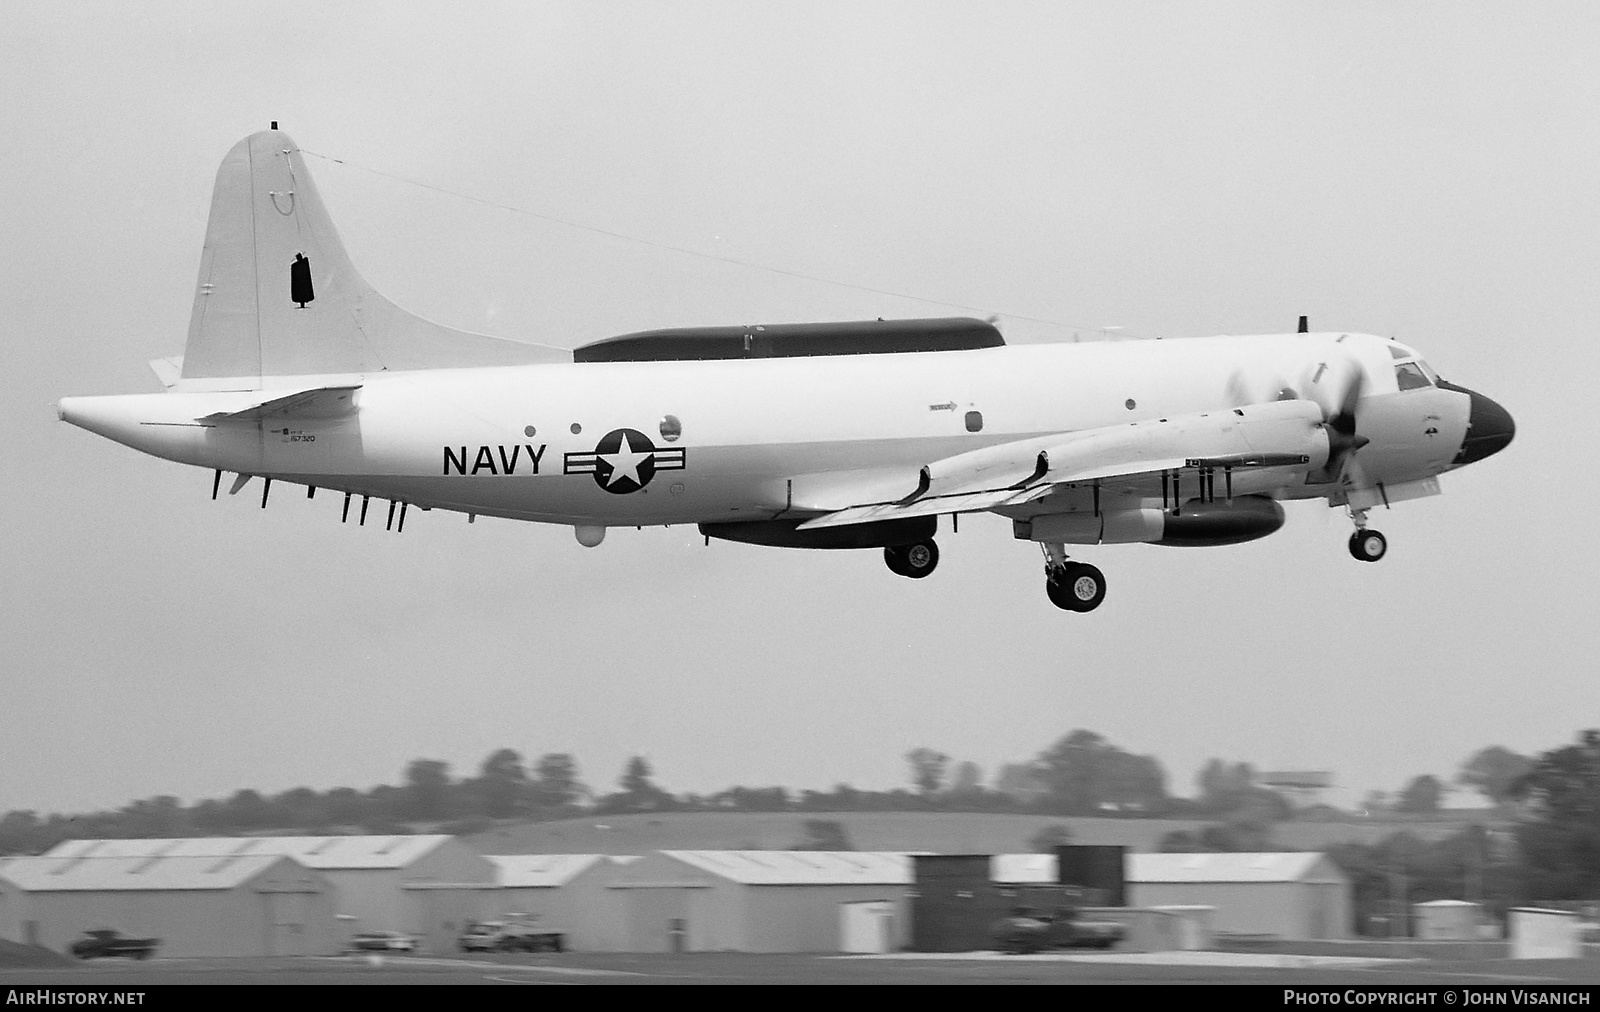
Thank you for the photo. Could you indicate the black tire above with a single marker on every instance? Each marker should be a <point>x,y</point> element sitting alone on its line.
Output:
<point>915,560</point>
<point>1368,545</point>
<point>1077,586</point>
<point>920,558</point>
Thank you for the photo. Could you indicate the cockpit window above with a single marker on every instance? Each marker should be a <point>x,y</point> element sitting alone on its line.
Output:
<point>1410,377</point>
<point>1400,351</point>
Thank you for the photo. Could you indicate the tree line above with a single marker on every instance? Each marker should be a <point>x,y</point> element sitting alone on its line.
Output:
<point>1545,850</point>
<point>1545,846</point>
<point>1081,774</point>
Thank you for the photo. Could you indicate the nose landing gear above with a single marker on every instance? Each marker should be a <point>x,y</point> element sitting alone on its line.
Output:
<point>1071,586</point>
<point>1366,545</point>
<point>915,560</point>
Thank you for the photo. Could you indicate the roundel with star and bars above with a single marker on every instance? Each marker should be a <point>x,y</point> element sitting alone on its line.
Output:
<point>624,460</point>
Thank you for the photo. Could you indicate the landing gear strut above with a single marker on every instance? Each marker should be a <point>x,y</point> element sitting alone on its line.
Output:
<point>915,560</point>
<point>1072,586</point>
<point>1366,545</point>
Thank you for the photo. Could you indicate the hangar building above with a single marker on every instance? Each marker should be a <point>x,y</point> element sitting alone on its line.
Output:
<point>229,905</point>
<point>12,900</point>
<point>1298,896</point>
<point>1290,895</point>
<point>427,886</point>
<point>558,892</point>
<point>746,900</point>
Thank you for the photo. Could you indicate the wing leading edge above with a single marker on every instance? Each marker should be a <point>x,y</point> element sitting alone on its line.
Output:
<point>1276,434</point>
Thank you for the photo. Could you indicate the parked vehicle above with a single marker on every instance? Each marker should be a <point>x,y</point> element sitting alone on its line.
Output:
<point>383,941</point>
<point>498,936</point>
<point>484,936</point>
<point>106,942</point>
<point>1032,931</point>
<point>1076,932</point>
<point>1022,932</point>
<point>527,938</point>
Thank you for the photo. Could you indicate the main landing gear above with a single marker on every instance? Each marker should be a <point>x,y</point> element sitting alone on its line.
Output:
<point>1071,586</point>
<point>915,560</point>
<point>1366,545</point>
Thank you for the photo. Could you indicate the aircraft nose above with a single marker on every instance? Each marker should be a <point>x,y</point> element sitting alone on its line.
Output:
<point>1489,429</point>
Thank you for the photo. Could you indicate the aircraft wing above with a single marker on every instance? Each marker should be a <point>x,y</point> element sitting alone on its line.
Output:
<point>967,503</point>
<point>1276,434</point>
<point>317,402</point>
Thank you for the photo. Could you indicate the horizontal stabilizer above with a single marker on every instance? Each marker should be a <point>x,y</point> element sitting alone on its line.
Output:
<point>319,402</point>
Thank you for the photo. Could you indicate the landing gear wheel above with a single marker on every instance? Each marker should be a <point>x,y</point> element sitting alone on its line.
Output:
<point>1076,586</point>
<point>1368,546</point>
<point>915,560</point>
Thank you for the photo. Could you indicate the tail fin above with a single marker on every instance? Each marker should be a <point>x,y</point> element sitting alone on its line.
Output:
<point>278,296</point>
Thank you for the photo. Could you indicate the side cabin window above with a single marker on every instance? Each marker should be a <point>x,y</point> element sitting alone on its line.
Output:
<point>1410,376</point>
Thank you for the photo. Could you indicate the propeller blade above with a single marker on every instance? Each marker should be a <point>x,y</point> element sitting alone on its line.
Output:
<point>1237,393</point>
<point>1343,439</point>
<point>1344,418</point>
<point>1240,395</point>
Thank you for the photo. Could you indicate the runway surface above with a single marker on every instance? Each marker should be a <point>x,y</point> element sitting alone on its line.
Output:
<point>749,968</point>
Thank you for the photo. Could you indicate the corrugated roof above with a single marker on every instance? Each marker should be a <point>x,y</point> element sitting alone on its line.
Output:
<point>801,867</point>
<point>540,871</point>
<point>321,852</point>
<point>1253,867</point>
<point>78,874</point>
<point>1221,867</point>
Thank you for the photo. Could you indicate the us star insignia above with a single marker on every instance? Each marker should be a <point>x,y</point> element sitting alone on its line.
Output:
<point>625,460</point>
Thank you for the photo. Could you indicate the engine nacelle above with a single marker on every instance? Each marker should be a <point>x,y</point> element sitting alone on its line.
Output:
<point>1198,524</point>
<point>1201,525</point>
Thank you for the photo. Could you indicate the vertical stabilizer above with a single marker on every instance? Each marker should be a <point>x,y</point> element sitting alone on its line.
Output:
<point>278,296</point>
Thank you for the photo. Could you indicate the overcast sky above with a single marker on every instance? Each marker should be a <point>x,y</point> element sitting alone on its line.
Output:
<point>1421,170</point>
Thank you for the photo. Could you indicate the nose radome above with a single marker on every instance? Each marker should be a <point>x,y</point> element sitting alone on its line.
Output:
<point>1489,429</point>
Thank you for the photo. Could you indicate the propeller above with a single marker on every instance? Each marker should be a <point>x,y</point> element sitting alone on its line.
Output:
<point>1240,394</point>
<point>1338,413</point>
<point>1339,421</point>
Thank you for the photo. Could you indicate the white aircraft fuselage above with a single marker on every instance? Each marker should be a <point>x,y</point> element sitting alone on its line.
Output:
<point>827,436</point>
<point>758,437</point>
